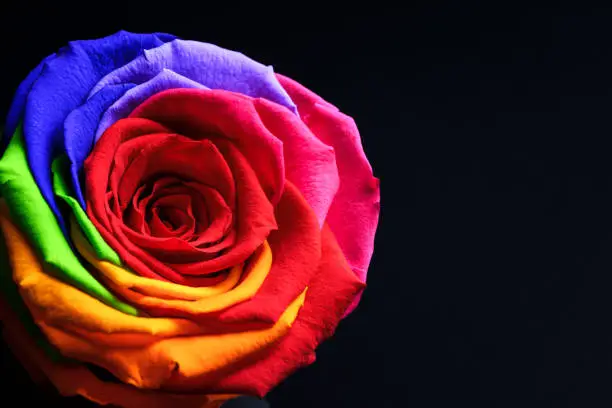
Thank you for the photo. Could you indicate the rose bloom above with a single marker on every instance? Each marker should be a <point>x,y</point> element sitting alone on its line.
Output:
<point>180,216</point>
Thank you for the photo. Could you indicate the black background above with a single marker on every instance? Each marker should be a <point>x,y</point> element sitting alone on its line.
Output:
<point>489,128</point>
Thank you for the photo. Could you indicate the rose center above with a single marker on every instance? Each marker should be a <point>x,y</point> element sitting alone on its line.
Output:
<point>173,218</point>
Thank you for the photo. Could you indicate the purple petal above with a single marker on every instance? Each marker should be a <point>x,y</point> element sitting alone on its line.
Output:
<point>126,103</point>
<point>212,66</point>
<point>80,127</point>
<point>63,84</point>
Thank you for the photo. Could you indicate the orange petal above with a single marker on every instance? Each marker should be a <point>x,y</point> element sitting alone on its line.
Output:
<point>57,303</point>
<point>76,379</point>
<point>171,353</point>
<point>173,363</point>
<point>160,297</point>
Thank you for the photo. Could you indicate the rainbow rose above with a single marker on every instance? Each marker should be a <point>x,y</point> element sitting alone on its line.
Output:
<point>179,216</point>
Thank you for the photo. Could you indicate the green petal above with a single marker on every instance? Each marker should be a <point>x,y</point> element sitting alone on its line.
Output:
<point>63,190</point>
<point>10,293</point>
<point>30,212</point>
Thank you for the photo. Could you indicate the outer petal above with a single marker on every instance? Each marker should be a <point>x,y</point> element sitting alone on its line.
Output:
<point>31,212</point>
<point>142,351</point>
<point>353,215</point>
<point>208,64</point>
<point>72,379</point>
<point>124,105</point>
<point>15,112</point>
<point>330,293</point>
<point>63,85</point>
<point>54,302</point>
<point>309,163</point>
<point>11,298</point>
<point>60,186</point>
<point>80,127</point>
<point>296,247</point>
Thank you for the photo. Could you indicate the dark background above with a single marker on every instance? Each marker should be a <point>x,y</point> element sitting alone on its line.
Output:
<point>489,128</point>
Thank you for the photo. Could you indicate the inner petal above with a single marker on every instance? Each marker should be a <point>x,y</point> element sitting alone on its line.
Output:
<point>135,215</point>
<point>176,219</point>
<point>162,227</point>
<point>208,217</point>
<point>172,216</point>
<point>176,156</point>
<point>172,155</point>
<point>219,215</point>
<point>190,217</point>
<point>126,153</point>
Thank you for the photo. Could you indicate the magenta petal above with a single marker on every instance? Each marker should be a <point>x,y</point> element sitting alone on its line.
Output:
<point>353,215</point>
<point>310,164</point>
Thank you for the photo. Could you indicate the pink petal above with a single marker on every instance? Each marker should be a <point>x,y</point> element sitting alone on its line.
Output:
<point>353,215</point>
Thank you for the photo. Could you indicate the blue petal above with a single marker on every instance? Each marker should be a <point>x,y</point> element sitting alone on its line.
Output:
<point>63,85</point>
<point>15,112</point>
<point>80,128</point>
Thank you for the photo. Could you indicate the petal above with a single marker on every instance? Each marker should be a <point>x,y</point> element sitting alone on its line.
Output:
<point>211,215</point>
<point>353,215</point>
<point>11,297</point>
<point>309,163</point>
<point>31,212</point>
<point>60,186</point>
<point>296,249</point>
<point>79,128</point>
<point>63,85</point>
<point>254,216</point>
<point>134,287</point>
<point>178,156</point>
<point>170,216</point>
<point>175,363</point>
<point>220,217</point>
<point>223,69</point>
<point>72,379</point>
<point>296,246</point>
<point>15,112</point>
<point>124,105</point>
<point>52,301</point>
<point>332,289</point>
<point>168,299</point>
<point>101,161</point>
<point>221,115</point>
<point>142,351</point>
